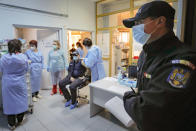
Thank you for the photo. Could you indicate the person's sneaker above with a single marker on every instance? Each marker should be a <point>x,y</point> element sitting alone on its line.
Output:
<point>38,96</point>
<point>34,99</point>
<point>72,106</point>
<point>11,127</point>
<point>68,103</point>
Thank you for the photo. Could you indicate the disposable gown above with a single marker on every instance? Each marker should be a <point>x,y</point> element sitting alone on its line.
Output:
<point>14,88</point>
<point>93,60</point>
<point>56,65</point>
<point>36,66</point>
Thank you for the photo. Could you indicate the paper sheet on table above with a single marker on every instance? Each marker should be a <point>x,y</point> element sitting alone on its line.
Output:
<point>118,90</point>
<point>110,79</point>
<point>116,107</point>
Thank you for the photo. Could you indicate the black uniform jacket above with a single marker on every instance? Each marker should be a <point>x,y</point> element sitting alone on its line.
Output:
<point>76,69</point>
<point>166,100</point>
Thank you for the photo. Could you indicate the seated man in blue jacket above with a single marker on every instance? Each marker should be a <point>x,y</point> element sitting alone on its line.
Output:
<point>76,72</point>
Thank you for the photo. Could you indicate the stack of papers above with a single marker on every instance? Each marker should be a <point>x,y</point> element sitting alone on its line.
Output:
<point>116,107</point>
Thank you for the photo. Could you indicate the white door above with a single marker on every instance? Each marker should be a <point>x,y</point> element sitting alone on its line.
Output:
<point>45,39</point>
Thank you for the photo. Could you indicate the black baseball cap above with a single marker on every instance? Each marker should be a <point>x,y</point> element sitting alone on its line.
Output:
<point>151,9</point>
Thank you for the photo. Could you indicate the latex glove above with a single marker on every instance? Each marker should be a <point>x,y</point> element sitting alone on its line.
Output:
<point>29,61</point>
<point>48,69</point>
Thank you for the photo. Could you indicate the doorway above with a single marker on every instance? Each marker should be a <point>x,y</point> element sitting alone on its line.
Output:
<point>45,38</point>
<point>74,36</point>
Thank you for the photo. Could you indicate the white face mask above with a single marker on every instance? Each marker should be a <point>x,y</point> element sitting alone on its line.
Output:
<point>75,58</point>
<point>139,35</point>
<point>32,48</point>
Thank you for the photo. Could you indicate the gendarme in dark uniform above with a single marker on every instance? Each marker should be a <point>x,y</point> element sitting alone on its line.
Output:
<point>166,100</point>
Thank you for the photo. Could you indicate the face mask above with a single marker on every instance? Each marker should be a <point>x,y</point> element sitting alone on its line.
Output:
<point>32,48</point>
<point>75,58</point>
<point>54,47</point>
<point>139,35</point>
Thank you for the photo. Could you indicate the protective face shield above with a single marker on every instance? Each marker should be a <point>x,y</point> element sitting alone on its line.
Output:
<point>139,35</point>
<point>54,47</point>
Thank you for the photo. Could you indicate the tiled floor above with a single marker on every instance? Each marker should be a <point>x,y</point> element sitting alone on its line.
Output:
<point>50,115</point>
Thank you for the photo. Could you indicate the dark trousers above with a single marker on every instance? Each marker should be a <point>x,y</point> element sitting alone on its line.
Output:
<point>35,94</point>
<point>73,88</point>
<point>12,119</point>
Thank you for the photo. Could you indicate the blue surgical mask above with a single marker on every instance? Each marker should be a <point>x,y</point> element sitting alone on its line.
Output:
<point>75,58</point>
<point>139,35</point>
<point>54,47</point>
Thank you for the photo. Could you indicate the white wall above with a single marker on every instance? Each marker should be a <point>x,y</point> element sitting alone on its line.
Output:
<point>13,16</point>
<point>81,15</point>
<point>56,6</point>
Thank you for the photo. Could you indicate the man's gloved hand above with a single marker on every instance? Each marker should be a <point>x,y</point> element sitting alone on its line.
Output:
<point>48,69</point>
<point>128,95</point>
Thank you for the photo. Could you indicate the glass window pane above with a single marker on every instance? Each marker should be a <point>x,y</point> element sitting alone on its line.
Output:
<point>112,5</point>
<point>103,41</point>
<point>112,20</point>
<point>106,67</point>
<point>175,6</point>
<point>120,48</point>
<point>137,48</point>
<point>175,28</point>
<point>139,3</point>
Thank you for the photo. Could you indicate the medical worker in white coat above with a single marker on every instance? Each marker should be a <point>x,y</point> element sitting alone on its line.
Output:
<point>14,66</point>
<point>56,65</point>
<point>36,66</point>
<point>93,60</point>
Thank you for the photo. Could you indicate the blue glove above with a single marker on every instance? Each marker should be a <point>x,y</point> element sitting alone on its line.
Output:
<point>48,69</point>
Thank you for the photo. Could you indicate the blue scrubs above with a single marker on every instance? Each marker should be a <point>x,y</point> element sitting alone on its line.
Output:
<point>93,60</point>
<point>36,66</point>
<point>14,88</point>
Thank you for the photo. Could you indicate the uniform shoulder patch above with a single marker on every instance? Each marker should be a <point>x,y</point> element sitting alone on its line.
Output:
<point>184,62</point>
<point>178,77</point>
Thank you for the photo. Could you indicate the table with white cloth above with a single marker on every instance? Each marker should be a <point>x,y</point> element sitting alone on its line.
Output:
<point>102,91</point>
